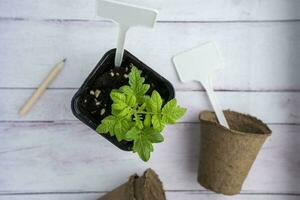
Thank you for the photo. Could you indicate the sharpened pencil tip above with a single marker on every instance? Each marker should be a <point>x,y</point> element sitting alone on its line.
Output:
<point>64,60</point>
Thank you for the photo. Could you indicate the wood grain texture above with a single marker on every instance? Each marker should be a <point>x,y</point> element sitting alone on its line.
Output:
<point>170,196</point>
<point>170,10</point>
<point>66,160</point>
<point>68,157</point>
<point>262,56</point>
<point>55,105</point>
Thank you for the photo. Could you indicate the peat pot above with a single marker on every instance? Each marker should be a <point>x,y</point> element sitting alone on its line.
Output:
<point>226,155</point>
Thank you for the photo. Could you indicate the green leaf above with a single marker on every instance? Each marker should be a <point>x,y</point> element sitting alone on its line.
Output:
<point>172,112</point>
<point>138,121</point>
<point>130,100</point>
<point>143,147</point>
<point>143,89</point>
<point>121,110</point>
<point>106,125</point>
<point>142,141</point>
<point>142,107</point>
<point>126,112</point>
<point>152,135</point>
<point>133,134</point>
<point>120,128</point>
<point>157,123</point>
<point>136,82</point>
<point>115,126</point>
<point>147,120</point>
<point>146,99</point>
<point>117,130</point>
<point>123,104</point>
<point>155,102</point>
<point>118,106</point>
<point>135,77</point>
<point>117,96</point>
<point>126,90</point>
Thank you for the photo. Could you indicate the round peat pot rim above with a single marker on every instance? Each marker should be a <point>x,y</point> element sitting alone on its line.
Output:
<point>245,119</point>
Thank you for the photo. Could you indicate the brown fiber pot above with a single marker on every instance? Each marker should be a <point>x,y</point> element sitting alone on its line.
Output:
<point>226,155</point>
<point>146,187</point>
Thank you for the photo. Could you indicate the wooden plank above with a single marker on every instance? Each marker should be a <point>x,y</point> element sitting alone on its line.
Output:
<point>271,107</point>
<point>259,56</point>
<point>170,195</point>
<point>189,10</point>
<point>70,157</point>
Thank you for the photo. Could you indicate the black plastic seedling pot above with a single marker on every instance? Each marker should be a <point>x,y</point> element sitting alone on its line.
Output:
<point>103,80</point>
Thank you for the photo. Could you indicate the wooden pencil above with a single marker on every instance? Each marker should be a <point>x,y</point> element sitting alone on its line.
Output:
<point>42,87</point>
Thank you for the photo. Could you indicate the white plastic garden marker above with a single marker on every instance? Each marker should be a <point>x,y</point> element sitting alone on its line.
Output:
<point>200,64</point>
<point>126,15</point>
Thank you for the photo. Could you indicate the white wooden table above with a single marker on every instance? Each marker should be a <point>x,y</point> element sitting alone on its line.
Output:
<point>51,155</point>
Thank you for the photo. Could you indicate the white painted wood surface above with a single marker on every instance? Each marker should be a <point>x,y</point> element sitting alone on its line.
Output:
<point>50,155</point>
<point>258,56</point>
<point>68,156</point>
<point>170,10</point>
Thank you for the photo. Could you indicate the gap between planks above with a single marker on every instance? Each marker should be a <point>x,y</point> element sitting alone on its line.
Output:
<point>159,21</point>
<point>200,192</point>
<point>177,90</point>
<point>77,121</point>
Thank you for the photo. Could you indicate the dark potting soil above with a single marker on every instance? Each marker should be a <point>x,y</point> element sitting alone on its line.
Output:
<point>96,100</point>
